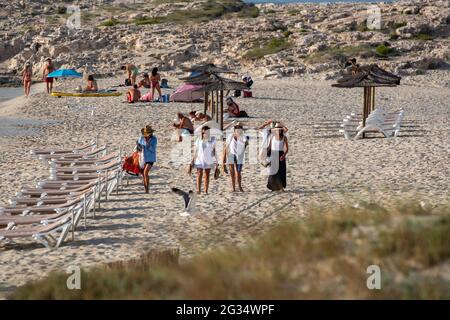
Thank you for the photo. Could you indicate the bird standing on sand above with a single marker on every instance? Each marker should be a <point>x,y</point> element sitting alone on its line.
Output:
<point>189,201</point>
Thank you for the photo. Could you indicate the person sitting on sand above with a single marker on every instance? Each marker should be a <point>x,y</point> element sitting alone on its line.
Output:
<point>147,145</point>
<point>155,79</point>
<point>191,116</point>
<point>91,84</point>
<point>184,125</point>
<point>233,155</point>
<point>200,117</point>
<point>145,82</point>
<point>48,68</point>
<point>26,78</point>
<point>132,72</point>
<point>133,95</point>
<point>233,109</point>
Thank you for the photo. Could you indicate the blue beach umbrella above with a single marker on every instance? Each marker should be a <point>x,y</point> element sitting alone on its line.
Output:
<point>64,73</point>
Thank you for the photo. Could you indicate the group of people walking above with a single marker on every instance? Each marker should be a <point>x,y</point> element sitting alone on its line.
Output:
<point>206,160</point>
<point>27,75</point>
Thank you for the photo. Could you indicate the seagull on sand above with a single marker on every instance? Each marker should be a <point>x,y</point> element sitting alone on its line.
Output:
<point>189,201</point>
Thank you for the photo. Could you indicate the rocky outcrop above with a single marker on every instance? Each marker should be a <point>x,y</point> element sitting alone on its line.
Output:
<point>313,38</point>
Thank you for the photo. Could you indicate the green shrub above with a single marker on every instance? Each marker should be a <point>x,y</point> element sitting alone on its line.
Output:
<point>273,46</point>
<point>336,53</point>
<point>110,23</point>
<point>423,37</point>
<point>293,12</point>
<point>384,50</point>
<point>209,10</point>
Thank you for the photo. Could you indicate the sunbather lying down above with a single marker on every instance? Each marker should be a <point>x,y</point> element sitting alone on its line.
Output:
<point>233,109</point>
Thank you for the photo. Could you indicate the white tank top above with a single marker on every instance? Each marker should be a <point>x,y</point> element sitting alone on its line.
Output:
<point>277,145</point>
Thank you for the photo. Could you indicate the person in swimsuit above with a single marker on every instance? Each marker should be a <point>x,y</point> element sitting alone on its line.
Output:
<point>26,78</point>
<point>204,158</point>
<point>48,68</point>
<point>184,126</point>
<point>233,155</point>
<point>133,95</point>
<point>91,84</point>
<point>155,78</point>
<point>200,117</point>
<point>146,83</point>
<point>147,144</point>
<point>132,72</point>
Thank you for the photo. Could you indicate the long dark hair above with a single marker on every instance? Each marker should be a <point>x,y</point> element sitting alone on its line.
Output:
<point>204,129</point>
<point>154,71</point>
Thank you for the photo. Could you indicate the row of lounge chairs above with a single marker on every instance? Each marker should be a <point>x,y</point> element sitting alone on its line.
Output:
<point>388,123</point>
<point>47,212</point>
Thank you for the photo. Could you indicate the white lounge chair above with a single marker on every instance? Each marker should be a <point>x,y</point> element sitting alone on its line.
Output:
<point>79,149</point>
<point>386,123</point>
<point>51,235</point>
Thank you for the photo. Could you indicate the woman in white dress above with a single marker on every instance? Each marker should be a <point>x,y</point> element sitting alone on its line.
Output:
<point>204,158</point>
<point>278,149</point>
<point>233,155</point>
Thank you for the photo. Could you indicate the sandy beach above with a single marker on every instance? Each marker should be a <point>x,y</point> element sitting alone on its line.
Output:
<point>323,167</point>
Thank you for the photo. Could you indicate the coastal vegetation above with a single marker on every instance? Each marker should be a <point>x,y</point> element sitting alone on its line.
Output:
<point>423,37</point>
<point>384,50</point>
<point>324,255</point>
<point>209,10</point>
<point>271,46</point>
<point>110,23</point>
<point>336,53</point>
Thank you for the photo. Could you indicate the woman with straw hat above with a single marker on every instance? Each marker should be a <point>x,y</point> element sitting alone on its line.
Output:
<point>277,150</point>
<point>147,144</point>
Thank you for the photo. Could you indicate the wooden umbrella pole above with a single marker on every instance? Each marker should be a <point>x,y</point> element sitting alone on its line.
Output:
<point>373,98</point>
<point>205,108</point>
<point>212,105</point>
<point>217,106</point>
<point>365,109</point>
<point>221,109</point>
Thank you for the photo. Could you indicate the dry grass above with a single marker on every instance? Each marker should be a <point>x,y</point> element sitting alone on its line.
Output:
<point>322,256</point>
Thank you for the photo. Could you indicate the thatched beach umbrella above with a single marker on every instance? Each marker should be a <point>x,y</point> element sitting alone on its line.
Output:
<point>213,85</point>
<point>368,77</point>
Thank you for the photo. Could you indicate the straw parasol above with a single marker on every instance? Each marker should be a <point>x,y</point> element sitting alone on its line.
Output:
<point>368,77</point>
<point>213,84</point>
